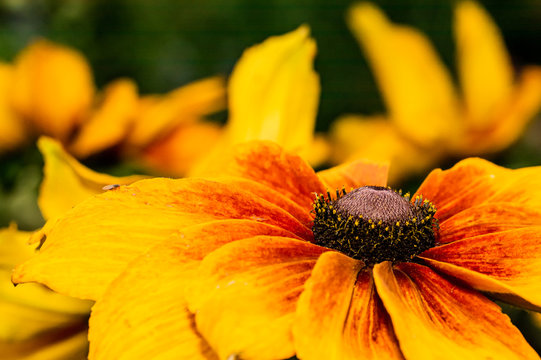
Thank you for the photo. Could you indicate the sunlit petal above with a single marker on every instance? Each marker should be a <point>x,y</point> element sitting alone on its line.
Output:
<point>434,318</point>
<point>340,308</point>
<point>246,292</point>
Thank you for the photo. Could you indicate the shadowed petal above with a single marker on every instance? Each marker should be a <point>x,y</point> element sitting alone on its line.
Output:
<point>269,164</point>
<point>340,316</point>
<point>355,174</point>
<point>507,262</point>
<point>436,319</point>
<point>246,292</point>
<point>101,235</point>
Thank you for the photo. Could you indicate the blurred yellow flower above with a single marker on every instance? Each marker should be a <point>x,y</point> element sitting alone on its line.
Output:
<point>429,119</point>
<point>49,90</point>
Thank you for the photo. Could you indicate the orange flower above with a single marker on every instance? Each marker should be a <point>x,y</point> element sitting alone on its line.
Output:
<point>249,264</point>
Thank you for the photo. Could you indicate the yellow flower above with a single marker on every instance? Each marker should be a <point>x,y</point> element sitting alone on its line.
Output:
<point>427,118</point>
<point>263,263</point>
<point>49,90</point>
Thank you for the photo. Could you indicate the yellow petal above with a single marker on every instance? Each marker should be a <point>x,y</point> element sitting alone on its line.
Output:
<point>416,86</point>
<point>437,319</point>
<point>485,70</point>
<point>31,309</point>
<point>12,129</point>
<point>143,313</point>
<point>67,182</point>
<point>110,123</point>
<point>160,115</point>
<point>53,88</point>
<point>274,92</point>
<point>100,236</point>
<point>376,139</point>
<point>245,295</point>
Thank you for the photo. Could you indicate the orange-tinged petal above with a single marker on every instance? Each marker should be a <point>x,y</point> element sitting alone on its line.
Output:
<point>355,174</point>
<point>183,105</point>
<point>377,139</point>
<point>436,319</point>
<point>274,92</point>
<point>67,182</point>
<point>177,153</point>
<point>415,84</point>
<point>339,315</point>
<point>246,292</point>
<point>473,182</point>
<point>485,70</point>
<point>149,295</point>
<point>272,196</point>
<point>485,219</point>
<point>267,163</point>
<point>506,262</point>
<point>12,128</point>
<point>101,235</point>
<point>53,87</point>
<point>109,124</point>
<point>318,151</point>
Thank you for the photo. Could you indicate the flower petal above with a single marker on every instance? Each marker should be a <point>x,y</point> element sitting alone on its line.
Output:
<point>290,174</point>
<point>246,292</point>
<point>67,182</point>
<point>339,315</point>
<point>274,92</point>
<point>110,123</point>
<point>434,318</point>
<point>375,138</point>
<point>415,84</point>
<point>506,262</point>
<point>473,182</point>
<point>486,219</point>
<point>177,153</point>
<point>183,105</point>
<point>355,174</point>
<point>148,296</point>
<point>13,131</point>
<point>485,70</point>
<point>101,235</point>
<point>53,88</point>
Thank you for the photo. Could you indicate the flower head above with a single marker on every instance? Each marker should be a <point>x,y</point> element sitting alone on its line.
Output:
<point>206,268</point>
<point>429,118</point>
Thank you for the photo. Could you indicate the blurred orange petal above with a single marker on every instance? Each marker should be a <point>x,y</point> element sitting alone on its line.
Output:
<point>53,88</point>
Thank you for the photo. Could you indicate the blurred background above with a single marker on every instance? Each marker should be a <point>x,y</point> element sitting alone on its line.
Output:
<point>162,44</point>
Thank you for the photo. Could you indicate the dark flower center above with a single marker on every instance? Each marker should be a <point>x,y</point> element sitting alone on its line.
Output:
<point>374,224</point>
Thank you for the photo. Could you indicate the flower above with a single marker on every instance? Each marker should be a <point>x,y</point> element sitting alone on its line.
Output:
<point>49,90</point>
<point>429,119</point>
<point>206,268</point>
